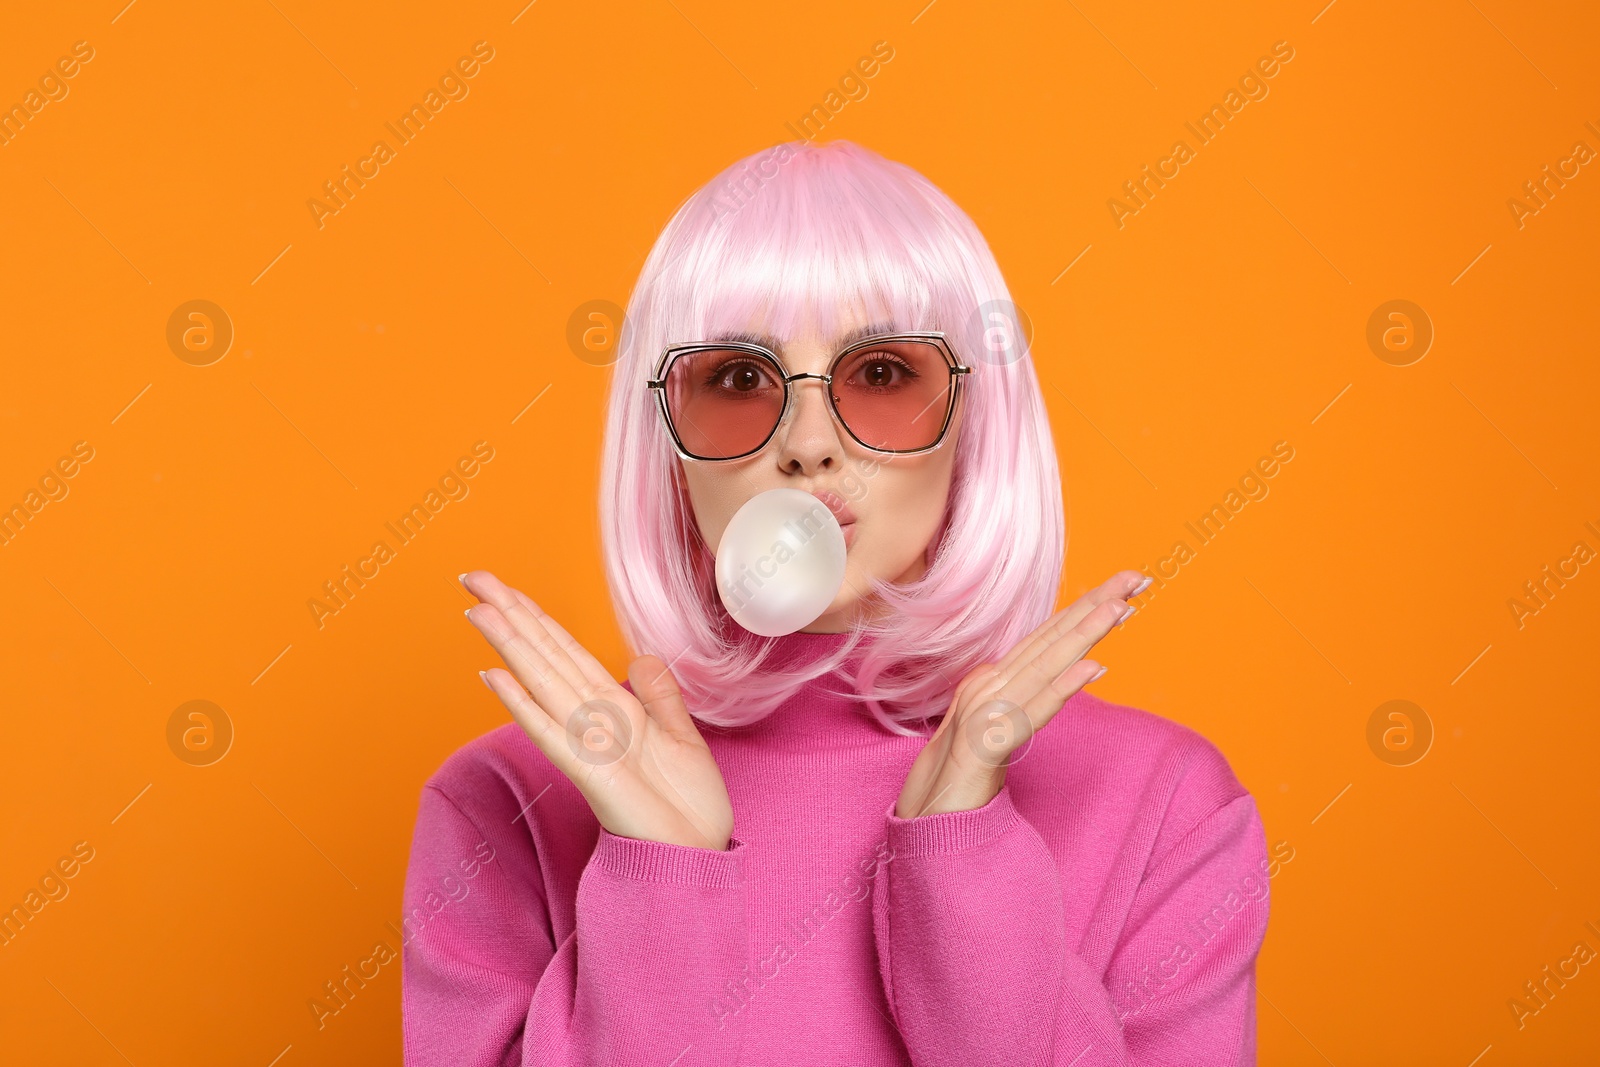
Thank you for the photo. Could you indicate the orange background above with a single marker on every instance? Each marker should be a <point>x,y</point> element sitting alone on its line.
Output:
<point>1226,315</point>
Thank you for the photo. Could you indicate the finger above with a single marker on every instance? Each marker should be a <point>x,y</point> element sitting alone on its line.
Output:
<point>1042,707</point>
<point>527,616</point>
<point>526,662</point>
<point>545,732</point>
<point>1035,674</point>
<point>529,620</point>
<point>978,680</point>
<point>592,669</point>
<point>657,691</point>
<point>1119,586</point>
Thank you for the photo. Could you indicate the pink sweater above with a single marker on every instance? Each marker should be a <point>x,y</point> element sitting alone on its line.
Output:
<point>1106,907</point>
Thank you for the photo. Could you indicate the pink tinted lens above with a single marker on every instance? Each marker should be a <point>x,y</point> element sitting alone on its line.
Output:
<point>723,402</point>
<point>894,396</point>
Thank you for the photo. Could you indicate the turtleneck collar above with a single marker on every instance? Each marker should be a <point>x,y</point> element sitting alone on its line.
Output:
<point>798,649</point>
<point>824,712</point>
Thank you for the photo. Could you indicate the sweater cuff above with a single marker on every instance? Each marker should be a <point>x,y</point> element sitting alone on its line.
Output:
<point>660,861</point>
<point>951,831</point>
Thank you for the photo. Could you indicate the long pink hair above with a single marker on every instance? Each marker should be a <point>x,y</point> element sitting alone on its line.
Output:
<point>798,233</point>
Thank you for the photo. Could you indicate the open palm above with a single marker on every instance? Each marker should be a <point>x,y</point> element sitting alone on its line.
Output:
<point>637,758</point>
<point>999,706</point>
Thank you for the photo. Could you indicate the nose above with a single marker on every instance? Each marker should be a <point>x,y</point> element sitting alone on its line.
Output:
<point>809,439</point>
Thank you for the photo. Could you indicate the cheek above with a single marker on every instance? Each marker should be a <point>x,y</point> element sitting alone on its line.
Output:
<point>715,494</point>
<point>903,516</point>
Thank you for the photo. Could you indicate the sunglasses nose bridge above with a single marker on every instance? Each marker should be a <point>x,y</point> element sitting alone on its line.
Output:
<point>792,404</point>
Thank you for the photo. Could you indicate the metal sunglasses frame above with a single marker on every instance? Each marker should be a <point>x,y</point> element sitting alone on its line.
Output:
<point>673,351</point>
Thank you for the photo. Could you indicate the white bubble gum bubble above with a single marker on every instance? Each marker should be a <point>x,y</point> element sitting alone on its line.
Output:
<point>780,562</point>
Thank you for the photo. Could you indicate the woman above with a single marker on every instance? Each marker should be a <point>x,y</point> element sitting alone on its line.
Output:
<point>754,852</point>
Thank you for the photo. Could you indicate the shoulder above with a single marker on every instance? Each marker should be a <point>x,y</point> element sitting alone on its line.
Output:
<point>503,785</point>
<point>1123,764</point>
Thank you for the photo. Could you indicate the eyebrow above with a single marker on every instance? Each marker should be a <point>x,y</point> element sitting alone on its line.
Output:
<point>768,341</point>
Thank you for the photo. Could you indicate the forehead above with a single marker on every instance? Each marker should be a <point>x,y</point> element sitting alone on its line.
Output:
<point>848,326</point>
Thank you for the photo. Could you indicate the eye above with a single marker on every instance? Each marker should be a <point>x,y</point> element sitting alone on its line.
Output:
<point>882,370</point>
<point>739,375</point>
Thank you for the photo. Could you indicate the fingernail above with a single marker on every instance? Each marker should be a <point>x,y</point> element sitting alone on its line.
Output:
<point>468,613</point>
<point>1142,586</point>
<point>1097,675</point>
<point>462,578</point>
<point>1124,616</point>
<point>483,676</point>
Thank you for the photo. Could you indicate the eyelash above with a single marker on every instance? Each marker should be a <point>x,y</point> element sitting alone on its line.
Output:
<point>721,370</point>
<point>889,357</point>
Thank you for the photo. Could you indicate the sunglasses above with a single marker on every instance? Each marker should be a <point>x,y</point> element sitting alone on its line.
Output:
<point>892,393</point>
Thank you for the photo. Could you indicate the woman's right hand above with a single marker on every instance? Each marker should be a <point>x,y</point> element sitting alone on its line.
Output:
<point>639,761</point>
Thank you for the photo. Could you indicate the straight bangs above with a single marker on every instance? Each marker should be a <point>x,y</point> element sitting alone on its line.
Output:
<point>793,240</point>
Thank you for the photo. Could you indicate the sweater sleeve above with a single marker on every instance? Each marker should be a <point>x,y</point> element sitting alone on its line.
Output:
<point>973,952</point>
<point>658,929</point>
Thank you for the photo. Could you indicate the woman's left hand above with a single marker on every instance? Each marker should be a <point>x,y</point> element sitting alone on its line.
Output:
<point>997,707</point>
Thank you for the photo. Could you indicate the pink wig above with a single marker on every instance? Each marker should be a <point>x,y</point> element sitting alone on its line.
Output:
<point>797,234</point>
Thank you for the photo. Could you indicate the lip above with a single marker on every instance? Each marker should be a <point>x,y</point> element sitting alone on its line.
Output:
<point>836,504</point>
